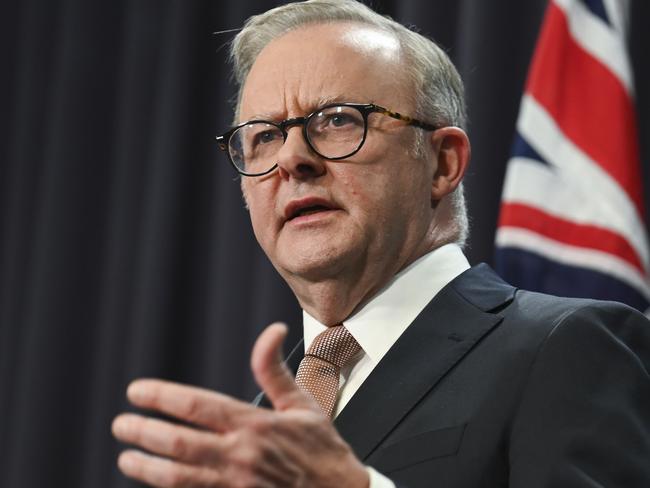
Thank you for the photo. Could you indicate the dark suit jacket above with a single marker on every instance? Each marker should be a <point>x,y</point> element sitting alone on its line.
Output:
<point>493,386</point>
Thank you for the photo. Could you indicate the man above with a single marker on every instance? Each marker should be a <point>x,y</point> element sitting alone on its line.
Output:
<point>438,374</point>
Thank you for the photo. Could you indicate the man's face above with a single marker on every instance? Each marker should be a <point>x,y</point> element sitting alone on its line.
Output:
<point>316,219</point>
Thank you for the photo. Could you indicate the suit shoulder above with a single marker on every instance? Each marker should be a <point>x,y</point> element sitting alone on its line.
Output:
<point>553,311</point>
<point>575,320</point>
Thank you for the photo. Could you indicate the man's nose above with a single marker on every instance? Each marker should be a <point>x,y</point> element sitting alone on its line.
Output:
<point>296,159</point>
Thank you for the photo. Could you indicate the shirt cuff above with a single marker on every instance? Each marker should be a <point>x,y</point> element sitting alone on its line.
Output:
<point>378,480</point>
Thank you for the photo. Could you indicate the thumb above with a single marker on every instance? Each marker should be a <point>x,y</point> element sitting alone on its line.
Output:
<point>272,375</point>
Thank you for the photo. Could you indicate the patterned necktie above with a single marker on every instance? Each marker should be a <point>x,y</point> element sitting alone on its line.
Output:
<point>319,370</point>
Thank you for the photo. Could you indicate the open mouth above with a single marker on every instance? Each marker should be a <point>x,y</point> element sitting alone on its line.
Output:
<point>306,207</point>
<point>309,211</point>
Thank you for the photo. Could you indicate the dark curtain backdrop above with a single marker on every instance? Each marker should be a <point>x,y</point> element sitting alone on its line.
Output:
<point>125,250</point>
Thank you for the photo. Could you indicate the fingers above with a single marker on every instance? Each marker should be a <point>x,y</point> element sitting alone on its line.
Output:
<point>273,376</point>
<point>174,441</point>
<point>195,405</point>
<point>165,473</point>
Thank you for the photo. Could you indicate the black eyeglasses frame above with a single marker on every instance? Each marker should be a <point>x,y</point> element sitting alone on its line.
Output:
<point>365,109</point>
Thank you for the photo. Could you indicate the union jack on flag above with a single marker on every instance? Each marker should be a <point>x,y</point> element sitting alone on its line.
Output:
<point>572,216</point>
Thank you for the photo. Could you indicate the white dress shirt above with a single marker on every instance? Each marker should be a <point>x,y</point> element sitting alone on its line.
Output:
<point>378,325</point>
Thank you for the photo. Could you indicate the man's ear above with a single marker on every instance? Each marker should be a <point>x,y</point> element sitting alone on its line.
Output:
<point>452,150</point>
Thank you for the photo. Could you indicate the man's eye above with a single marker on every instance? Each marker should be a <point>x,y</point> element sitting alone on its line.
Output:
<point>265,137</point>
<point>340,120</point>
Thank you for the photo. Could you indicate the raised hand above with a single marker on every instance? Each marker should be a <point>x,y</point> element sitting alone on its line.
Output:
<point>232,443</point>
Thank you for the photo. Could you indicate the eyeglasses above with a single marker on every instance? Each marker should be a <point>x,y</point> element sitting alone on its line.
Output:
<point>333,132</point>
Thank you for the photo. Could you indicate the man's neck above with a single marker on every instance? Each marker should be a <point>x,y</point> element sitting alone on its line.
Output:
<point>332,300</point>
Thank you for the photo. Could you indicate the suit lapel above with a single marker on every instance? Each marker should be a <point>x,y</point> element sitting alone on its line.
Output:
<point>446,330</point>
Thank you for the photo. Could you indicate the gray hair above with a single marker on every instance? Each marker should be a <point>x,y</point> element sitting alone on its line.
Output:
<point>437,86</point>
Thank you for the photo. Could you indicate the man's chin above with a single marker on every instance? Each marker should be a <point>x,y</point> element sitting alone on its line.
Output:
<point>313,265</point>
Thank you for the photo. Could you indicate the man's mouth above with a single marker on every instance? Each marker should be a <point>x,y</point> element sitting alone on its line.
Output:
<point>309,211</point>
<point>305,207</point>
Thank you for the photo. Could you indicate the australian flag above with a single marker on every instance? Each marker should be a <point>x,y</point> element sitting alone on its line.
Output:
<point>572,216</point>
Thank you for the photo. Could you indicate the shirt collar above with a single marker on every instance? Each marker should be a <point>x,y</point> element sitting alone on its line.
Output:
<point>378,325</point>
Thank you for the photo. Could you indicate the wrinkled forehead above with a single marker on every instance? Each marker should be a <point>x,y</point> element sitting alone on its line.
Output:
<point>318,63</point>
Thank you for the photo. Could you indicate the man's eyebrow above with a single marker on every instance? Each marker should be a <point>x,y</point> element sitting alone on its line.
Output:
<point>327,100</point>
<point>311,107</point>
<point>260,116</point>
<point>320,102</point>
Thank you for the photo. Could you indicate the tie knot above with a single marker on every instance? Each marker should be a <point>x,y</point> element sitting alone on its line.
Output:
<point>334,345</point>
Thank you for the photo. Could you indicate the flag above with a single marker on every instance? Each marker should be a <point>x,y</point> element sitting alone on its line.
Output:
<point>572,215</point>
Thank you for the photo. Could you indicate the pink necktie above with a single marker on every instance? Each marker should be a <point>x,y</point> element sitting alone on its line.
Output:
<point>319,370</point>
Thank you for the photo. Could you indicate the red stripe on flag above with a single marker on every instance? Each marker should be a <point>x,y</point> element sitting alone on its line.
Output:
<point>587,101</point>
<point>567,232</point>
